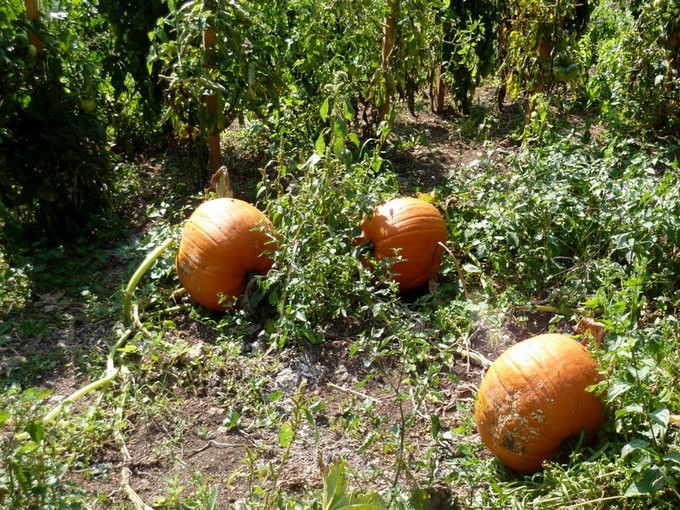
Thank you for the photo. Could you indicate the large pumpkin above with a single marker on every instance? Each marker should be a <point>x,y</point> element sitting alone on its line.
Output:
<point>412,229</point>
<point>223,243</point>
<point>533,398</point>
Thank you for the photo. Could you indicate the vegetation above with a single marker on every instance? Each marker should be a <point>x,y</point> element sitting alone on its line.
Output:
<point>326,386</point>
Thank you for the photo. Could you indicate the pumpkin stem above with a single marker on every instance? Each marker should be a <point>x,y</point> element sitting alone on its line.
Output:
<point>141,270</point>
<point>253,293</point>
<point>364,249</point>
<point>220,183</point>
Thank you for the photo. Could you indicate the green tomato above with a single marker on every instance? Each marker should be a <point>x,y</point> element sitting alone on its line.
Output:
<point>32,51</point>
<point>87,105</point>
<point>21,39</point>
<point>560,73</point>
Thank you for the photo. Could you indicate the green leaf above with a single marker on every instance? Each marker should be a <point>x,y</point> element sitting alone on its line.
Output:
<point>286,435</point>
<point>232,420</point>
<point>36,430</point>
<point>323,111</point>
<point>5,326</point>
<point>320,145</point>
<point>661,416</point>
<point>471,268</point>
<point>129,348</point>
<point>653,481</point>
<point>435,425</point>
<point>368,441</point>
<point>634,445</point>
<point>348,110</point>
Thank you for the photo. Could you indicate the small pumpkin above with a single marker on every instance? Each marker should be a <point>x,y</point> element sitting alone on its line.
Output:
<point>533,397</point>
<point>412,229</point>
<point>223,242</point>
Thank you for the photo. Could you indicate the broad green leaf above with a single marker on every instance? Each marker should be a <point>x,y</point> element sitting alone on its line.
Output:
<point>4,416</point>
<point>286,435</point>
<point>232,420</point>
<point>348,110</point>
<point>323,111</point>
<point>471,268</point>
<point>632,446</point>
<point>661,416</point>
<point>320,145</point>
<point>653,481</point>
<point>36,430</point>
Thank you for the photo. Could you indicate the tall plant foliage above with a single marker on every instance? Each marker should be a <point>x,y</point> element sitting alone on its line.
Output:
<point>468,46</point>
<point>637,78</point>
<point>54,170</point>
<point>538,45</point>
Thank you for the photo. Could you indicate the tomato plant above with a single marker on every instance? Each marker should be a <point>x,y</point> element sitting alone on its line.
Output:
<point>538,45</point>
<point>469,46</point>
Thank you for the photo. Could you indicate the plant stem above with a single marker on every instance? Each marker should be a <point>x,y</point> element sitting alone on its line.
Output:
<point>111,369</point>
<point>134,281</point>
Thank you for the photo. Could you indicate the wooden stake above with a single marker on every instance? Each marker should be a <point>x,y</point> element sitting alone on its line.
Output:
<point>211,102</point>
<point>387,47</point>
<point>33,14</point>
<point>439,90</point>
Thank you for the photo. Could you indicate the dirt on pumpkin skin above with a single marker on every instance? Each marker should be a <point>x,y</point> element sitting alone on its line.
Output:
<point>190,445</point>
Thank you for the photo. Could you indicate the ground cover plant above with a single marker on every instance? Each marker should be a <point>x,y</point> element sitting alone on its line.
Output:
<point>325,383</point>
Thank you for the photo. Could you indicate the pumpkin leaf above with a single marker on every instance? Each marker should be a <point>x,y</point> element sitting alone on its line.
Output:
<point>653,481</point>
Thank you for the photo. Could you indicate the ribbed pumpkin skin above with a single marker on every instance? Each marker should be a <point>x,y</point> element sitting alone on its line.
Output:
<point>220,244</point>
<point>412,228</point>
<point>533,397</point>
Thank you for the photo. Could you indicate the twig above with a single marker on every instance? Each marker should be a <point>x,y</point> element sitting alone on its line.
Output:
<point>475,356</point>
<point>131,494</point>
<point>354,392</point>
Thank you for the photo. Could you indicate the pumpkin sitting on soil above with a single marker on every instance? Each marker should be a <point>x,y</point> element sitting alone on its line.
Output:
<point>411,229</point>
<point>223,243</point>
<point>534,397</point>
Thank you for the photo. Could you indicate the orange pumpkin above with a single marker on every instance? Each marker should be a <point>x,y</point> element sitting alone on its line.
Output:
<point>412,229</point>
<point>533,397</point>
<point>223,243</point>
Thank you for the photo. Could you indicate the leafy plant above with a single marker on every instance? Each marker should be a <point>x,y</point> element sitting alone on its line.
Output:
<point>31,474</point>
<point>317,279</point>
<point>638,65</point>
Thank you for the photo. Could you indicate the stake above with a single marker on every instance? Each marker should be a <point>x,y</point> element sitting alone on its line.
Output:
<point>211,101</point>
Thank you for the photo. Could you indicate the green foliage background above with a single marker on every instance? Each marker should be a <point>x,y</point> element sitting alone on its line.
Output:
<point>577,209</point>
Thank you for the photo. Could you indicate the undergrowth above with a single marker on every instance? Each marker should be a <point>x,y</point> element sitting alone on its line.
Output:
<point>564,230</point>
